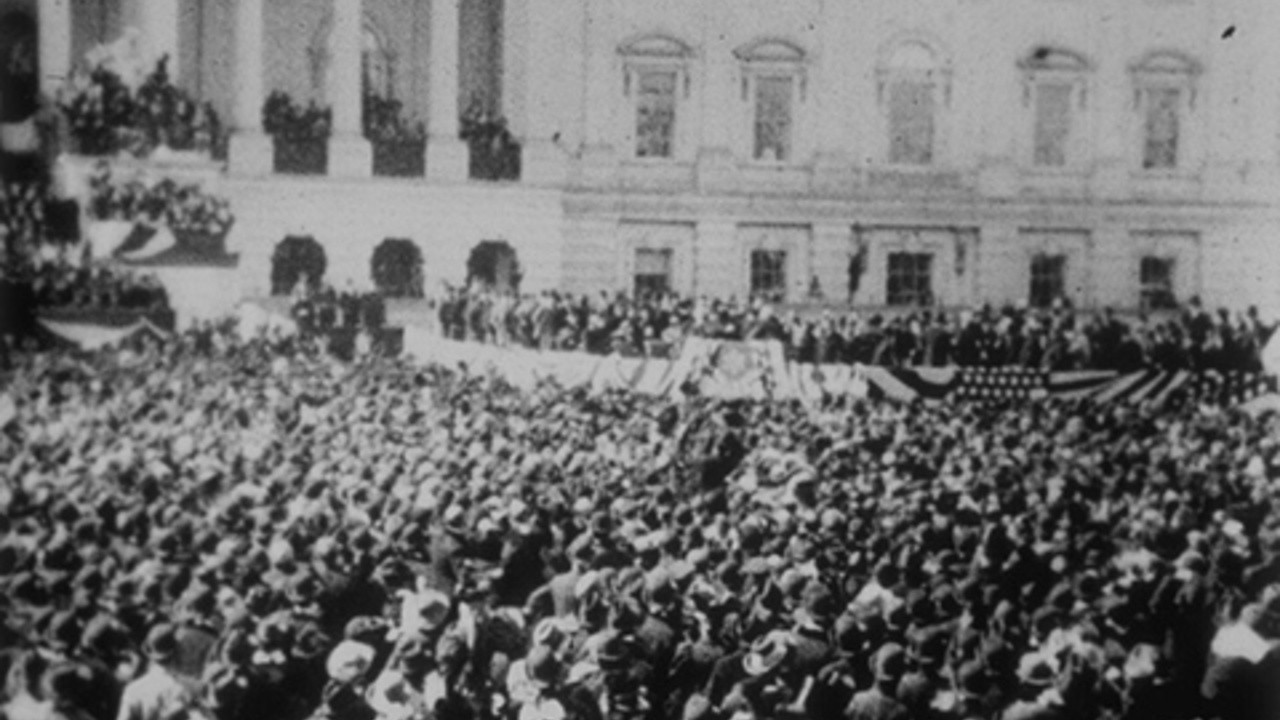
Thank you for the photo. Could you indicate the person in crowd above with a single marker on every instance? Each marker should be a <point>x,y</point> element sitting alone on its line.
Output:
<point>1051,339</point>
<point>214,526</point>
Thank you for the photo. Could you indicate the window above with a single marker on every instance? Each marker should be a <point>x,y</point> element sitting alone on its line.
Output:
<point>912,86</point>
<point>1160,128</point>
<point>773,78</point>
<point>769,274</point>
<point>1164,93</point>
<point>1054,87</point>
<point>653,272</point>
<point>1048,279</point>
<point>910,279</point>
<point>1155,276</point>
<point>773,118</point>
<point>376,68</point>
<point>377,59</point>
<point>656,113</point>
<point>656,83</point>
<point>1053,124</point>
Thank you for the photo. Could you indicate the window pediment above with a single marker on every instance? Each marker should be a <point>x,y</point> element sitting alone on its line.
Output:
<point>1047,58</point>
<point>656,46</point>
<point>770,50</point>
<point>1166,63</point>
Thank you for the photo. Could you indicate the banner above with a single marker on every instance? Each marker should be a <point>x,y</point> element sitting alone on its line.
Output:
<point>92,337</point>
<point>759,370</point>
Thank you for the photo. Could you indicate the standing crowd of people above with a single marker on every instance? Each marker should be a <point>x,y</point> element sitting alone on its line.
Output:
<point>211,527</point>
<point>1058,338</point>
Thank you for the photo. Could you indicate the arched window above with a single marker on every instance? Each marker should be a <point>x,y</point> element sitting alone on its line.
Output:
<point>297,258</point>
<point>1055,91</point>
<point>1164,85</point>
<point>773,85</point>
<point>397,268</point>
<point>656,82</point>
<point>914,87</point>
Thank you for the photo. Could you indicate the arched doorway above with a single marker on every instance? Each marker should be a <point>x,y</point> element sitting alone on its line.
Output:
<point>297,257</point>
<point>493,265</point>
<point>19,74</point>
<point>397,268</point>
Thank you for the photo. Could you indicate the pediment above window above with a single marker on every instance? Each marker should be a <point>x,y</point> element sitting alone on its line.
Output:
<point>655,46</point>
<point>1050,58</point>
<point>1166,63</point>
<point>770,50</point>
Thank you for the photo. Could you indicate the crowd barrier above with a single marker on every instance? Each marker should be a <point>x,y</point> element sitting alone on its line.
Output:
<point>760,370</point>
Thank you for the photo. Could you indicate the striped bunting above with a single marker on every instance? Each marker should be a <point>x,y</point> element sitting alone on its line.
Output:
<point>759,370</point>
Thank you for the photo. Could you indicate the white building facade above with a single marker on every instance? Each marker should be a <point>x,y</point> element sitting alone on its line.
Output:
<point>911,153</point>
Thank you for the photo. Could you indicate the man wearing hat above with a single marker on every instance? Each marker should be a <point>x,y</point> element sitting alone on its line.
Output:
<point>402,691</point>
<point>159,693</point>
<point>880,701</point>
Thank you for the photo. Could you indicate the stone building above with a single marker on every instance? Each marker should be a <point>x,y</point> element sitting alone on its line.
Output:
<point>1119,153</point>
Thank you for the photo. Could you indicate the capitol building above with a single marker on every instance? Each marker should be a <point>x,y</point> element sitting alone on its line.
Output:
<point>873,153</point>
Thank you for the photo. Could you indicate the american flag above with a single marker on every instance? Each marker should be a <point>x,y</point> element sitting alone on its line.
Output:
<point>1101,386</point>
<point>1000,384</point>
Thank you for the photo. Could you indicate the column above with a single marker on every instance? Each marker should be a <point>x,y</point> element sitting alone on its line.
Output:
<point>350,153</point>
<point>158,22</point>
<point>55,45</point>
<point>447,158</point>
<point>251,151</point>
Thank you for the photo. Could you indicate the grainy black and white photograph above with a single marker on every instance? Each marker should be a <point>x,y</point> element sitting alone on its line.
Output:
<point>639,359</point>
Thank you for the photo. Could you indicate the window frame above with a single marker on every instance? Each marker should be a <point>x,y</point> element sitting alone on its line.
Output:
<point>937,76</point>
<point>1165,70</point>
<point>772,58</point>
<point>668,277</point>
<point>1046,66</point>
<point>1145,289</point>
<point>655,54</point>
<point>778,293</point>
<point>1056,260</point>
<point>926,298</point>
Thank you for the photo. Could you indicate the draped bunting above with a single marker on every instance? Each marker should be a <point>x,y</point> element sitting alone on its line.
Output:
<point>91,337</point>
<point>759,370</point>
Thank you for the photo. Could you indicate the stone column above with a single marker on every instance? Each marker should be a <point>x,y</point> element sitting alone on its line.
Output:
<point>55,45</point>
<point>158,22</point>
<point>350,154</point>
<point>447,158</point>
<point>250,152</point>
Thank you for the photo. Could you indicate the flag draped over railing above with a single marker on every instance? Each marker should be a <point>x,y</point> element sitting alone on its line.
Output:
<point>760,370</point>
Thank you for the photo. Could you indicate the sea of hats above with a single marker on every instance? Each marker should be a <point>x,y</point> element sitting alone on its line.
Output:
<point>209,526</point>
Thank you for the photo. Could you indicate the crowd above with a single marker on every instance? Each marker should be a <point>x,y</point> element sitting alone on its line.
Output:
<point>207,527</point>
<point>324,309</point>
<point>1050,339</point>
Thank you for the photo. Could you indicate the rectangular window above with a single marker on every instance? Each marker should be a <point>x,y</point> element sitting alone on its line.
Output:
<point>1155,276</point>
<point>910,279</point>
<point>1161,126</point>
<point>769,274</point>
<point>653,272</point>
<point>1053,124</point>
<point>1048,279</point>
<point>655,113</point>
<point>773,118</point>
<point>911,122</point>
